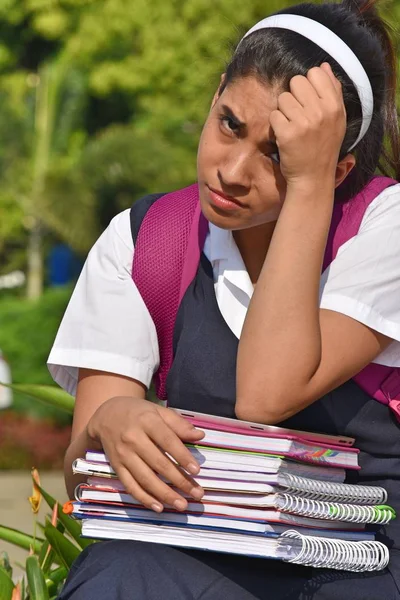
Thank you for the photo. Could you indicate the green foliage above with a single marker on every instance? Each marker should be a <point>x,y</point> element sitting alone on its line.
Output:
<point>50,559</point>
<point>36,582</point>
<point>132,83</point>
<point>27,331</point>
<point>49,394</point>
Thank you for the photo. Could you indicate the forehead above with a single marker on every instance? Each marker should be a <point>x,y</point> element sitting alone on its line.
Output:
<point>250,100</point>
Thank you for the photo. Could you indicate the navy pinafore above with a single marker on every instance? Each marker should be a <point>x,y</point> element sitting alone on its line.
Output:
<point>202,378</point>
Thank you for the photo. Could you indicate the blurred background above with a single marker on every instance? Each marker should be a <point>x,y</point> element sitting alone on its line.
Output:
<point>101,102</point>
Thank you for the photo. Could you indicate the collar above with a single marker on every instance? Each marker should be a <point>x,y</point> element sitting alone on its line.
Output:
<point>221,246</point>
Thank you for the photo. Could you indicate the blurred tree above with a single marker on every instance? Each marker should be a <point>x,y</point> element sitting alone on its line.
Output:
<point>128,104</point>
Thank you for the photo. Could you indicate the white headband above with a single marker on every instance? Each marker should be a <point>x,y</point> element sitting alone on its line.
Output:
<point>337,49</point>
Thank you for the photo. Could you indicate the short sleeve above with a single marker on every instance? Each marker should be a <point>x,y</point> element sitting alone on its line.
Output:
<point>106,326</point>
<point>363,281</point>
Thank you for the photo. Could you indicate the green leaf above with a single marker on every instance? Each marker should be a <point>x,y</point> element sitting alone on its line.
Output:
<point>47,555</point>
<point>5,563</point>
<point>54,579</point>
<point>48,394</point>
<point>18,538</point>
<point>36,582</point>
<point>6,585</point>
<point>66,550</point>
<point>72,526</point>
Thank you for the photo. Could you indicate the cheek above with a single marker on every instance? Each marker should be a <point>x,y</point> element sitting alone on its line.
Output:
<point>210,151</point>
<point>271,189</point>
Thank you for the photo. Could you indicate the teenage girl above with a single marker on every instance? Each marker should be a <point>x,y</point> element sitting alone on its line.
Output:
<point>260,334</point>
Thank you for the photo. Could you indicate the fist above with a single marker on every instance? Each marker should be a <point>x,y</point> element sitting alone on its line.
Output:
<point>309,125</point>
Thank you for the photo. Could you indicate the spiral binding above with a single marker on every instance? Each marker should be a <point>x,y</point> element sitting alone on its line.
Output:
<point>334,511</point>
<point>338,554</point>
<point>335,492</point>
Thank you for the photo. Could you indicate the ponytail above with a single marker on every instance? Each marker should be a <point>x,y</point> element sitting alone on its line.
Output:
<point>366,10</point>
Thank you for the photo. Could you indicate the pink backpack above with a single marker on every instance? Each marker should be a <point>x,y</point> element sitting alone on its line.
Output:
<point>167,253</point>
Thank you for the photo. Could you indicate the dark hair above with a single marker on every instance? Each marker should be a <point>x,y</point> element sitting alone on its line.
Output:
<point>276,55</point>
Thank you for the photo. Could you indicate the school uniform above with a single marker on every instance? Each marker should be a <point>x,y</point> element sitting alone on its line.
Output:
<point>107,327</point>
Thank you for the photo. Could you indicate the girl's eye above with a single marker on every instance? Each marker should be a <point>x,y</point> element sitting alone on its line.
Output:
<point>228,124</point>
<point>275,157</point>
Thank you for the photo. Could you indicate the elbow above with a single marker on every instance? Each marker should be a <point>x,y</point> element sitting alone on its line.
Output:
<point>267,410</point>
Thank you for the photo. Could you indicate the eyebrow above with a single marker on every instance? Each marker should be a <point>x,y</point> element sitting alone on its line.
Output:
<point>229,112</point>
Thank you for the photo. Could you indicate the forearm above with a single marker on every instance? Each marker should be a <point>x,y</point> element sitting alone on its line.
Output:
<point>280,346</point>
<point>77,449</point>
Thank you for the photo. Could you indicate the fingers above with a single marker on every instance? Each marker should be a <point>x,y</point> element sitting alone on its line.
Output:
<point>138,475</point>
<point>324,82</point>
<point>166,439</point>
<point>290,107</point>
<point>136,491</point>
<point>328,69</point>
<point>182,427</point>
<point>154,487</point>
<point>162,465</point>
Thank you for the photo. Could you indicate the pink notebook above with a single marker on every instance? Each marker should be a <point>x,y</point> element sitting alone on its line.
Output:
<point>231,434</point>
<point>237,426</point>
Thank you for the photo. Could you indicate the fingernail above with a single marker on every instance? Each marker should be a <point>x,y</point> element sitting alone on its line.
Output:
<point>157,507</point>
<point>180,504</point>
<point>197,493</point>
<point>193,468</point>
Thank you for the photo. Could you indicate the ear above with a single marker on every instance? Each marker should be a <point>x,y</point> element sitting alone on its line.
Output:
<point>343,168</point>
<point>218,92</point>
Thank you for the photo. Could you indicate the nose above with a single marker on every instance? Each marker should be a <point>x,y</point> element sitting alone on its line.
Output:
<point>234,173</point>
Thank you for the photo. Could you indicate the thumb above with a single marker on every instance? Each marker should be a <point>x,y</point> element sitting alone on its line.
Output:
<point>181,426</point>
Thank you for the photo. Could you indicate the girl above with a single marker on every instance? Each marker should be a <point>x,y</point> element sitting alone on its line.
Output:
<point>293,129</point>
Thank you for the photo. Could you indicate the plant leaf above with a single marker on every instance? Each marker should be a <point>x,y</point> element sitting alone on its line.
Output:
<point>57,575</point>
<point>6,585</point>
<point>36,581</point>
<point>49,394</point>
<point>72,526</point>
<point>54,579</point>
<point>18,538</point>
<point>47,554</point>
<point>5,563</point>
<point>66,550</point>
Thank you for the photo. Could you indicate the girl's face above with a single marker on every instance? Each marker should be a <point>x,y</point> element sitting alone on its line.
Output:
<point>240,182</point>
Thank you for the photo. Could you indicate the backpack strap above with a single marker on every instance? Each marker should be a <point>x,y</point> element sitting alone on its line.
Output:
<point>163,270</point>
<point>379,381</point>
<point>167,253</point>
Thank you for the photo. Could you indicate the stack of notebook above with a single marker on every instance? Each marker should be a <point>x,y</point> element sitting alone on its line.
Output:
<point>269,492</point>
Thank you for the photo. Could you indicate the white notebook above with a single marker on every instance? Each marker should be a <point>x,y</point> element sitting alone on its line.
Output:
<point>83,510</point>
<point>291,546</point>
<point>267,483</point>
<point>84,493</point>
<point>294,505</point>
<point>232,460</point>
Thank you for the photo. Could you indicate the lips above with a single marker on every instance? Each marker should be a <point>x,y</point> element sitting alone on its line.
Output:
<point>223,196</point>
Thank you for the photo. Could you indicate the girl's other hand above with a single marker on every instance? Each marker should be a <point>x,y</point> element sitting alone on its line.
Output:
<point>309,126</point>
<point>136,435</point>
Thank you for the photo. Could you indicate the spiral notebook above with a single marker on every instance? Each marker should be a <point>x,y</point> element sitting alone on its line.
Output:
<point>277,525</point>
<point>267,483</point>
<point>226,503</point>
<point>231,460</point>
<point>290,546</point>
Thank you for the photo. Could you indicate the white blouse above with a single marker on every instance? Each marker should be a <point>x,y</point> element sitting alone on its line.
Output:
<point>107,326</point>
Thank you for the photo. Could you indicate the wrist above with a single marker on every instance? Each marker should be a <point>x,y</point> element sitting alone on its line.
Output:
<point>309,186</point>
